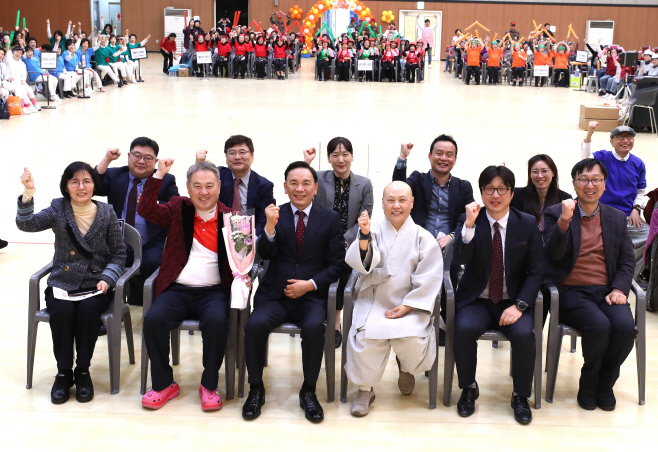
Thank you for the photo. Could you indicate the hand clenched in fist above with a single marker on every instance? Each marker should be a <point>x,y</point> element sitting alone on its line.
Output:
<point>364,222</point>
<point>568,205</point>
<point>26,179</point>
<point>164,165</point>
<point>472,212</point>
<point>112,154</point>
<point>405,150</point>
<point>272,215</point>
<point>309,155</point>
<point>201,156</point>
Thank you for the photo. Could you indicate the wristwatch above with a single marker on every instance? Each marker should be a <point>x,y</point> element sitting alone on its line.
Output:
<point>638,208</point>
<point>521,305</point>
<point>363,236</point>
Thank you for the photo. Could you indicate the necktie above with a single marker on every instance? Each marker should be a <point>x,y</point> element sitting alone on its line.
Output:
<point>497,267</point>
<point>237,205</point>
<point>131,210</point>
<point>299,233</point>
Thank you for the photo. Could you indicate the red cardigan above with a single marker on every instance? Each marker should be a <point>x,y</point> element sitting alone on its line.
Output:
<point>177,217</point>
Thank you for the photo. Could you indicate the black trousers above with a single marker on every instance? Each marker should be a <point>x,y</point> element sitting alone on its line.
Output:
<point>388,70</point>
<point>239,65</point>
<point>517,72</point>
<point>493,73</point>
<point>608,334</point>
<point>280,64</point>
<point>75,322</point>
<point>470,70</point>
<point>323,66</point>
<point>343,68</point>
<point>564,82</point>
<point>411,72</point>
<point>261,64</point>
<point>208,304</point>
<point>267,315</point>
<point>168,61</point>
<point>541,80</point>
<point>151,258</point>
<point>474,319</point>
<point>221,67</point>
<point>342,282</point>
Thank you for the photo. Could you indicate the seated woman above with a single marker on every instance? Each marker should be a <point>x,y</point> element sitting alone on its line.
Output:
<point>90,255</point>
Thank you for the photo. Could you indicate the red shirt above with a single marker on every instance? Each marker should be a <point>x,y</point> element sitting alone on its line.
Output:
<point>261,50</point>
<point>223,49</point>
<point>201,46</point>
<point>280,51</point>
<point>168,46</point>
<point>240,49</point>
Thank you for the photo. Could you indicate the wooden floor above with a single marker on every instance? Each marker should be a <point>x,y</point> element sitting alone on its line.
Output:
<point>491,125</point>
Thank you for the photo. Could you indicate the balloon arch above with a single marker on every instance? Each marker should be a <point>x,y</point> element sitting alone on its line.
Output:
<point>322,6</point>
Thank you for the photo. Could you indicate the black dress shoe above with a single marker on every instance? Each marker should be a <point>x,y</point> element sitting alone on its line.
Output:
<point>84,388</point>
<point>312,408</point>
<point>606,402</point>
<point>522,412</point>
<point>466,404</point>
<point>3,244</point>
<point>61,390</point>
<point>339,339</point>
<point>586,402</point>
<point>255,400</point>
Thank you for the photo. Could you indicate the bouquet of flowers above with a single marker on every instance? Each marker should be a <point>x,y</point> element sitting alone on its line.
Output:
<point>239,238</point>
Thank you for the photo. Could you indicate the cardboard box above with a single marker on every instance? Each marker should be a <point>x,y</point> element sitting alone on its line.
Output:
<point>599,112</point>
<point>183,72</point>
<point>605,125</point>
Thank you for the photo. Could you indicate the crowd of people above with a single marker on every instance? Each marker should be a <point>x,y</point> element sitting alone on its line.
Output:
<point>82,60</point>
<point>507,250</point>
<point>516,57</point>
<point>234,50</point>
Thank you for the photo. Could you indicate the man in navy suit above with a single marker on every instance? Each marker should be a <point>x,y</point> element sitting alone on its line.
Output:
<point>304,243</point>
<point>253,191</point>
<point>123,186</point>
<point>501,249</point>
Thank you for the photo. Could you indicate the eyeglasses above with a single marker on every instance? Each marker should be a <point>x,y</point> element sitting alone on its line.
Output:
<point>502,191</point>
<point>625,137</point>
<point>584,181</point>
<point>241,153</point>
<point>137,156</point>
<point>543,172</point>
<point>76,183</point>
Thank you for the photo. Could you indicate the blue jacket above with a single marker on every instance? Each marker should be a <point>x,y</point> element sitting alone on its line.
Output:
<point>33,68</point>
<point>60,67</point>
<point>90,53</point>
<point>72,64</point>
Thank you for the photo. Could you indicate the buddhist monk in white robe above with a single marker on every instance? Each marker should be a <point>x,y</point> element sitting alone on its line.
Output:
<point>401,272</point>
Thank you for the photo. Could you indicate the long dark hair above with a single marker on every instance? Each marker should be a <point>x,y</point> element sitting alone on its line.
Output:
<point>532,203</point>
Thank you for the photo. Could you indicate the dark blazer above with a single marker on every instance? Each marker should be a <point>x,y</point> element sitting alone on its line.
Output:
<point>260,194</point>
<point>360,199</point>
<point>520,195</point>
<point>562,248</point>
<point>114,185</point>
<point>177,217</point>
<point>80,261</point>
<point>524,262</point>
<point>461,194</point>
<point>320,258</point>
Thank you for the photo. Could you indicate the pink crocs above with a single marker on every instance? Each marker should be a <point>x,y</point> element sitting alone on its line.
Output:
<point>210,400</point>
<point>156,400</point>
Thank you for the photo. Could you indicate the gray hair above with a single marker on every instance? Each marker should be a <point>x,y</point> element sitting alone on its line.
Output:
<point>203,166</point>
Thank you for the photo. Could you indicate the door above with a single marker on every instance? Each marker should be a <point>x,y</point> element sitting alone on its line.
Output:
<point>411,31</point>
<point>115,17</point>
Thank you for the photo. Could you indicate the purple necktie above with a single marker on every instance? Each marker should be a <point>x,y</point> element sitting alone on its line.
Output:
<point>497,267</point>
<point>300,229</point>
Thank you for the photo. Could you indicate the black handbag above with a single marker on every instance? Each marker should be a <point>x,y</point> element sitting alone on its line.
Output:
<point>4,109</point>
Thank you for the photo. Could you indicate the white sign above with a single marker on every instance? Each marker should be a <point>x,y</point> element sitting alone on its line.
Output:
<point>138,53</point>
<point>364,65</point>
<point>420,5</point>
<point>48,60</point>
<point>541,71</point>
<point>204,57</point>
<point>582,56</point>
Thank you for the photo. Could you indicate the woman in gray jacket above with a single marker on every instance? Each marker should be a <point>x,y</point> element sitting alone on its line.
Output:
<point>90,256</point>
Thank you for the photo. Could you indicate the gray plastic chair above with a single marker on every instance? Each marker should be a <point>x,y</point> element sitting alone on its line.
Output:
<point>489,335</point>
<point>292,329</point>
<point>190,325</point>
<point>348,299</point>
<point>112,318</point>
<point>557,331</point>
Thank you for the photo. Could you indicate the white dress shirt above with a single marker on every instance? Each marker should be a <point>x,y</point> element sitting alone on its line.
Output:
<point>469,233</point>
<point>243,188</point>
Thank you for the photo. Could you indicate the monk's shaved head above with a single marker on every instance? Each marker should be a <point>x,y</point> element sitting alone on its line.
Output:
<point>398,186</point>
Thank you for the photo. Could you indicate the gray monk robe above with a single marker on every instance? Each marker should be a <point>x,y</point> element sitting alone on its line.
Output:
<point>402,267</point>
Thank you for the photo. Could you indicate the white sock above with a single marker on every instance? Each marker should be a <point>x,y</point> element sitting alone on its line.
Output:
<point>365,388</point>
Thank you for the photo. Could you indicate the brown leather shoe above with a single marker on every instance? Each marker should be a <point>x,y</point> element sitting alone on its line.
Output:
<point>406,381</point>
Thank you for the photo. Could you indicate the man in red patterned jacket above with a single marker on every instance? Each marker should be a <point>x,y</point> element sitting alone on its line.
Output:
<point>194,280</point>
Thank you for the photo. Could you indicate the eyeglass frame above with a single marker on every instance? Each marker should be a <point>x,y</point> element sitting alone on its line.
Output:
<point>234,153</point>
<point>496,190</point>
<point>543,172</point>
<point>587,182</point>
<point>75,183</point>
<point>142,156</point>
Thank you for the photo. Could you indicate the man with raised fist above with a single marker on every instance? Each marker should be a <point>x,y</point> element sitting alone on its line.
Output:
<point>501,249</point>
<point>590,259</point>
<point>400,266</point>
<point>304,243</point>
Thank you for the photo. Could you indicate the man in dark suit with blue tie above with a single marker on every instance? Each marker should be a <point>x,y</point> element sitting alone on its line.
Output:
<point>243,190</point>
<point>304,243</point>
<point>123,186</point>
<point>501,249</point>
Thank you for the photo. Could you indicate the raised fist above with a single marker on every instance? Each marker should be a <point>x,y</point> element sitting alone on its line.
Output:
<point>201,156</point>
<point>592,125</point>
<point>112,154</point>
<point>568,206</point>
<point>309,155</point>
<point>364,222</point>
<point>472,212</point>
<point>164,165</point>
<point>405,150</point>
<point>272,215</point>
<point>26,179</point>
<point>48,21</point>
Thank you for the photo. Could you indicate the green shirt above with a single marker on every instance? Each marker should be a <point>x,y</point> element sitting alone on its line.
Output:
<point>131,46</point>
<point>114,49</point>
<point>102,54</point>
